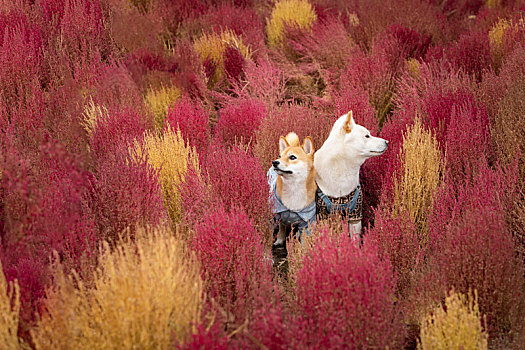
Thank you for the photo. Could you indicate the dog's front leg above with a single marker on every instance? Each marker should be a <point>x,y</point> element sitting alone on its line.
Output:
<point>281,235</point>
<point>354,230</point>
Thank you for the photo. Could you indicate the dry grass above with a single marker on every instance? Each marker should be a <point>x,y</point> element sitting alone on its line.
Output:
<point>171,157</point>
<point>420,176</point>
<point>9,311</point>
<point>92,115</point>
<point>146,295</point>
<point>455,326</point>
<point>159,101</point>
<point>293,13</point>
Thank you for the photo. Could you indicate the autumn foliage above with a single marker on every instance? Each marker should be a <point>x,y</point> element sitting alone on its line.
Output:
<point>135,138</point>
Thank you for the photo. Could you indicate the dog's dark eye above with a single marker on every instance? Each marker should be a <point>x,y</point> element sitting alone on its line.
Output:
<point>367,136</point>
<point>292,157</point>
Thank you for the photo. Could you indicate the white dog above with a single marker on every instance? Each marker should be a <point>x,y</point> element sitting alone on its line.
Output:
<point>337,165</point>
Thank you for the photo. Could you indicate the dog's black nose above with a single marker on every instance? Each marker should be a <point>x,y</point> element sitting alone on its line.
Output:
<point>275,163</point>
<point>387,142</point>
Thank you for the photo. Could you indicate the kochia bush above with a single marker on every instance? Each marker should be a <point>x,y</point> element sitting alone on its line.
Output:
<point>234,269</point>
<point>472,248</point>
<point>346,296</point>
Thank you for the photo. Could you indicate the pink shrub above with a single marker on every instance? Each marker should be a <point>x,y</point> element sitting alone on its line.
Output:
<point>468,121</point>
<point>196,198</point>
<point>80,23</point>
<point>397,239</point>
<point>264,82</point>
<point>192,121</point>
<point>204,338</point>
<point>117,129</point>
<point>471,53</point>
<point>113,87</point>
<point>472,248</point>
<point>371,73</point>
<point>303,121</point>
<point>377,16</point>
<point>189,75</point>
<point>21,59</point>
<point>459,8</point>
<point>327,48</point>
<point>435,94</point>
<point>237,180</point>
<point>275,327</point>
<point>346,296</point>
<point>378,173</point>
<point>233,264</point>
<point>355,99</point>
<point>125,194</point>
<point>412,44</point>
<point>239,120</point>
<point>44,208</point>
<point>495,86</point>
<point>149,68</point>
<point>234,63</point>
<point>400,43</point>
<point>242,20</point>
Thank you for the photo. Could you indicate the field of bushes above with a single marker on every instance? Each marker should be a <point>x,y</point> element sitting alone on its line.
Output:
<point>135,136</point>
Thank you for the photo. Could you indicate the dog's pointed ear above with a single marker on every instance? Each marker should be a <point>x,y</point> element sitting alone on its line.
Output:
<point>283,144</point>
<point>308,145</point>
<point>350,123</point>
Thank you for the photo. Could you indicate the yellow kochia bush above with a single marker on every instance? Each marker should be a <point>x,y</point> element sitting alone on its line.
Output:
<point>171,157</point>
<point>213,47</point>
<point>293,13</point>
<point>9,312</point>
<point>93,114</point>
<point>456,326</point>
<point>496,37</point>
<point>421,175</point>
<point>159,101</point>
<point>146,294</point>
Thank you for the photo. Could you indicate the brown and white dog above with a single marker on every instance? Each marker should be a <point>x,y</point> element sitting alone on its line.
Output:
<point>292,186</point>
<point>337,165</point>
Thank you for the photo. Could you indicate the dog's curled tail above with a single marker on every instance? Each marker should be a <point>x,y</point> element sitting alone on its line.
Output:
<point>292,139</point>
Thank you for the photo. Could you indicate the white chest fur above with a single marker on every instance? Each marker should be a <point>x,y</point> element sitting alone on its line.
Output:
<point>294,194</point>
<point>337,175</point>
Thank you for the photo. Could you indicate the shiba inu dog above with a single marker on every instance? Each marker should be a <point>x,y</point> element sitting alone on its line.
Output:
<point>337,165</point>
<point>292,186</point>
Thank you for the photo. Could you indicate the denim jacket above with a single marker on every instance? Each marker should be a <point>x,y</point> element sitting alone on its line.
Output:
<point>282,214</point>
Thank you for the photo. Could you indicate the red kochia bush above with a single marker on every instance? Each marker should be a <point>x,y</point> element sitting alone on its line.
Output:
<point>21,58</point>
<point>472,248</point>
<point>125,193</point>
<point>239,120</point>
<point>242,20</point>
<point>469,121</point>
<point>44,210</point>
<point>303,121</point>
<point>232,259</point>
<point>237,179</point>
<point>192,121</point>
<point>204,338</point>
<point>471,53</point>
<point>398,240</point>
<point>346,296</point>
<point>116,129</point>
<point>81,25</point>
